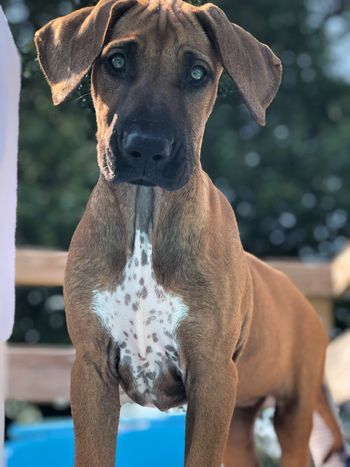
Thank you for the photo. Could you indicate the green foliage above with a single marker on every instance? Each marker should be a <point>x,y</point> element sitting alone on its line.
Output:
<point>288,182</point>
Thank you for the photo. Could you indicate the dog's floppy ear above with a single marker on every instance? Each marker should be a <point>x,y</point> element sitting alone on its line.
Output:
<point>250,64</point>
<point>68,46</point>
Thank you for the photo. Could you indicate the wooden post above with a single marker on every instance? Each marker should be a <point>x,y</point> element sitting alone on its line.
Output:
<point>338,368</point>
<point>340,272</point>
<point>324,308</point>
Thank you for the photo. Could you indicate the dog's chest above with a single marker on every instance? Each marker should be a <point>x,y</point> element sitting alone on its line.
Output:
<point>142,318</point>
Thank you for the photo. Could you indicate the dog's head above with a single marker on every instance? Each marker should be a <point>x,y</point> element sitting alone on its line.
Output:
<point>155,71</point>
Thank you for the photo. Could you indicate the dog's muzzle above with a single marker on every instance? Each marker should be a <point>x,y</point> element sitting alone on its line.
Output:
<point>146,153</point>
<point>148,156</point>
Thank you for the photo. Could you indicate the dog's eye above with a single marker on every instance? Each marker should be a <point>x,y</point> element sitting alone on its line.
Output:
<point>198,73</point>
<point>118,61</point>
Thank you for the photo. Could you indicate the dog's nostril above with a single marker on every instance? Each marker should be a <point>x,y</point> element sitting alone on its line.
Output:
<point>140,147</point>
<point>135,154</point>
<point>157,157</point>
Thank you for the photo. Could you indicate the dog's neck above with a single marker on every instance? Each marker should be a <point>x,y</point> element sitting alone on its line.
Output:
<point>125,208</point>
<point>137,208</point>
<point>144,209</point>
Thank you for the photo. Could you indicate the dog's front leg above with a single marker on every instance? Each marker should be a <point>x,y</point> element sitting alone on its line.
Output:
<point>211,392</point>
<point>95,408</point>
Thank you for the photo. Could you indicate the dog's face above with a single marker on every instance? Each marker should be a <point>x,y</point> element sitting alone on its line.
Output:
<point>155,71</point>
<point>153,87</point>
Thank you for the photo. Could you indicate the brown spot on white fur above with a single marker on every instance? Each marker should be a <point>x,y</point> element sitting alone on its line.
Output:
<point>148,303</point>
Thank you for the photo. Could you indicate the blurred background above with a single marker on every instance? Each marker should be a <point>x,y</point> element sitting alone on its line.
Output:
<point>289,183</point>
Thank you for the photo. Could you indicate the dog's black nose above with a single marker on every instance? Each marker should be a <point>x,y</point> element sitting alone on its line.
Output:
<point>141,146</point>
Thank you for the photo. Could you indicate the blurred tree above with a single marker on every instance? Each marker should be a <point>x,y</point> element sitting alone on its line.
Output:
<point>288,182</point>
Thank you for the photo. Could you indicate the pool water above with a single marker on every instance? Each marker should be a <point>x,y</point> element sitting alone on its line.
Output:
<point>146,442</point>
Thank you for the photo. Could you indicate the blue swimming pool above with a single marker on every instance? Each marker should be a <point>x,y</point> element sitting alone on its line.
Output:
<point>141,442</point>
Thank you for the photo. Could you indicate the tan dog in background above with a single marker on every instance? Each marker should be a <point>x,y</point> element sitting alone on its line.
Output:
<point>161,299</point>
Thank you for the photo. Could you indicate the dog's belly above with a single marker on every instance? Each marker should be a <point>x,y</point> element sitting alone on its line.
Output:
<point>142,319</point>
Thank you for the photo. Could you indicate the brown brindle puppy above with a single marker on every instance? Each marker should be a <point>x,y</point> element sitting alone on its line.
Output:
<point>161,299</point>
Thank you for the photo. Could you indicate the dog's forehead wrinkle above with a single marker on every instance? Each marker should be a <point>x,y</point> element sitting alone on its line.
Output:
<point>119,42</point>
<point>158,5</point>
<point>165,53</point>
<point>156,21</point>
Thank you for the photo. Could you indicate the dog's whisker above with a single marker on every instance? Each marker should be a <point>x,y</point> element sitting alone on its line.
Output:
<point>82,96</point>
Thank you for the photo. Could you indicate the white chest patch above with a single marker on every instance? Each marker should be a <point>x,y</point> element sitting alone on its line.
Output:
<point>142,318</point>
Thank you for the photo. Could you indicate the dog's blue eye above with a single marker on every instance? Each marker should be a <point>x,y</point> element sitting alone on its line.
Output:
<point>198,73</point>
<point>118,61</point>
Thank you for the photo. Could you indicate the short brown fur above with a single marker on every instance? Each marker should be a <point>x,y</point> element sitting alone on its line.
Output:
<point>237,305</point>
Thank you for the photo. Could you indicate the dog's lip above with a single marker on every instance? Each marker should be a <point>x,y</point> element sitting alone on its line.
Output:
<point>144,177</point>
<point>143,182</point>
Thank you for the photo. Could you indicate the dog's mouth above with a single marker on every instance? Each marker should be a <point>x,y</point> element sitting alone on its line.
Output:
<point>142,182</point>
<point>111,175</point>
<point>171,176</point>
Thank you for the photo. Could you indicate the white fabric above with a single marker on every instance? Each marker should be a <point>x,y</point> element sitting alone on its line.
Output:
<point>9,101</point>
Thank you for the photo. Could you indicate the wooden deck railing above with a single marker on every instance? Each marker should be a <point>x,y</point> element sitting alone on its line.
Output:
<point>42,373</point>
